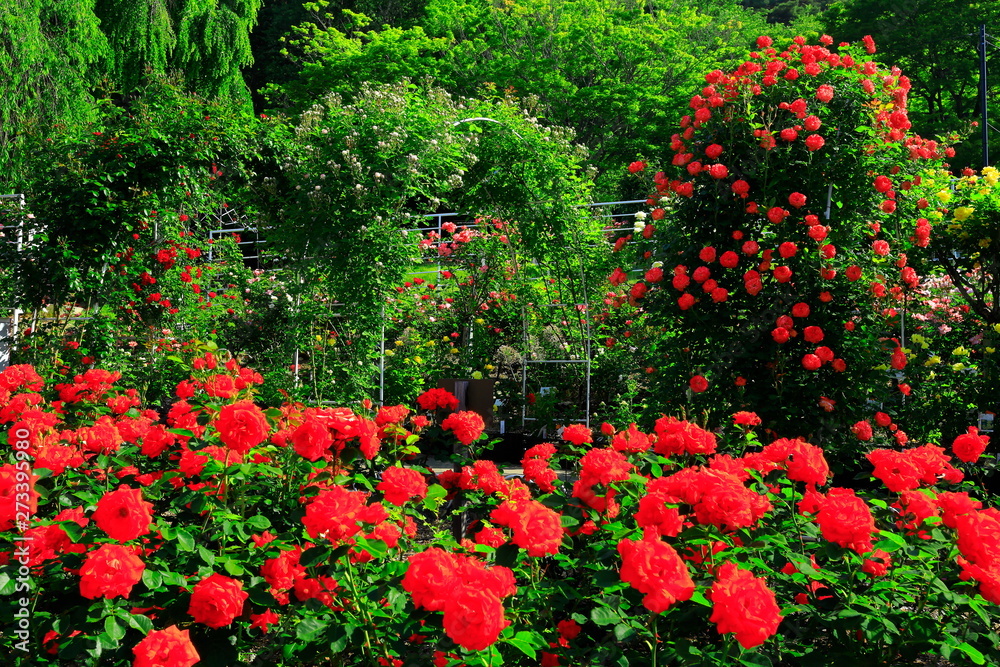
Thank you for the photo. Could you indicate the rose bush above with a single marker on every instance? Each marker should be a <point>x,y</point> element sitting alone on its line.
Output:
<point>302,536</point>
<point>774,249</point>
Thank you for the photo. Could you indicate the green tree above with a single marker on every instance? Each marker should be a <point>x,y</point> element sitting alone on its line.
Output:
<point>51,56</point>
<point>207,40</point>
<point>934,42</point>
<point>614,71</point>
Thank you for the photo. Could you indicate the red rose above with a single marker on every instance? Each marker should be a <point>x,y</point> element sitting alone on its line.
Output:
<point>241,426</point>
<point>797,199</point>
<point>675,436</point>
<point>334,514</point>
<point>578,434</point>
<point>636,167</point>
<point>312,439</point>
<point>782,274</point>
<point>473,618</point>
<point>729,259</point>
<point>741,188</point>
<point>846,520</point>
<point>824,93</point>
<point>811,362</point>
<point>171,647</point>
<point>398,485</point>
<point>813,334</point>
<point>776,214</point>
<point>537,529</point>
<point>217,600</point>
<point>787,249</point>
<point>109,571</point>
<point>433,399</point>
<point>802,461</point>
<point>467,426</point>
<point>814,142</point>
<point>123,514</point>
<point>698,384</point>
<point>863,431</point>
<point>969,446</point>
<point>652,567</point>
<point>744,605</point>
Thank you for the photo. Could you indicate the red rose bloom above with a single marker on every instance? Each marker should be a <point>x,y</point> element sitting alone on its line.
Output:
<point>814,142</point>
<point>537,529</point>
<point>698,384</point>
<point>970,446</point>
<point>109,571</point>
<point>675,436</point>
<point>123,514</point>
<point>652,567</point>
<point>744,605</point>
<point>241,426</point>
<point>862,431</point>
<point>467,426</point>
<point>803,462</point>
<point>811,362</point>
<point>746,419</point>
<point>312,439</point>
<point>171,647</point>
<point>578,434</point>
<point>217,600</point>
<point>473,618</point>
<point>846,520</point>
<point>438,398</point>
<point>398,485</point>
<point>334,514</point>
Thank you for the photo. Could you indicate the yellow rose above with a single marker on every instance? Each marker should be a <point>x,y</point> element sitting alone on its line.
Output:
<point>957,367</point>
<point>933,360</point>
<point>944,196</point>
<point>962,213</point>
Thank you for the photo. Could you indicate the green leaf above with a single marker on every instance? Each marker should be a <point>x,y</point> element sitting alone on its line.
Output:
<point>309,629</point>
<point>152,579</point>
<point>141,623</point>
<point>891,541</point>
<point>699,598</point>
<point>523,646</point>
<point>259,522</point>
<point>603,616</point>
<point>623,632</point>
<point>181,431</point>
<point>314,555</point>
<point>607,578</point>
<point>184,540</point>
<point>73,529</point>
<point>115,630</point>
<point>973,653</point>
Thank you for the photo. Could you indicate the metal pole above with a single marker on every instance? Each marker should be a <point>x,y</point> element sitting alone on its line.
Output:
<point>982,95</point>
